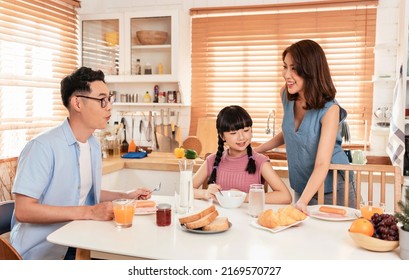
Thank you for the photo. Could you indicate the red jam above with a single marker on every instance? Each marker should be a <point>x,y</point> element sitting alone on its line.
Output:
<point>163,215</point>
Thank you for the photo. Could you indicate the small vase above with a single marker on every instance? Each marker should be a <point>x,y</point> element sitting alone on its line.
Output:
<point>404,244</point>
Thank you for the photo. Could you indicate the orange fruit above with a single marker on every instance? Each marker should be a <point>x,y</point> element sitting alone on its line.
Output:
<point>363,226</point>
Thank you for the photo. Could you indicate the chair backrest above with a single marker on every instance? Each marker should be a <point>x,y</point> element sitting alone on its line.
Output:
<point>6,211</point>
<point>370,173</point>
<point>7,251</point>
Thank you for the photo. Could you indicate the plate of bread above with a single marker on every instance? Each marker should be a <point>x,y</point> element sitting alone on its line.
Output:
<point>333,212</point>
<point>281,219</point>
<point>205,221</point>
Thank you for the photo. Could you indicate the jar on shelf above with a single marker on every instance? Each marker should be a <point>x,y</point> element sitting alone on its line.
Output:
<point>171,96</point>
<point>148,69</point>
<point>162,97</point>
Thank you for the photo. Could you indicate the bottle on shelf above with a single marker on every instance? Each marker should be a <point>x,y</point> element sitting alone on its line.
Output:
<point>156,94</point>
<point>160,69</point>
<point>138,67</point>
<point>147,97</point>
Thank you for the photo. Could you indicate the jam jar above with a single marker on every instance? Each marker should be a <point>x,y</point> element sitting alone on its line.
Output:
<point>163,214</point>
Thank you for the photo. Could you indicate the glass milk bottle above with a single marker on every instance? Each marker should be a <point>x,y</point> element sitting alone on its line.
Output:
<point>184,194</point>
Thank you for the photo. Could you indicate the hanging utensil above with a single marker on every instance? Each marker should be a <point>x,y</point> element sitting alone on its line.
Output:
<point>124,145</point>
<point>155,133</point>
<point>132,145</point>
<point>140,133</point>
<point>162,119</point>
<point>149,128</point>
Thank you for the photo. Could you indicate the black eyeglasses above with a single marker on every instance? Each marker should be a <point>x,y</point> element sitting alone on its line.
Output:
<point>104,100</point>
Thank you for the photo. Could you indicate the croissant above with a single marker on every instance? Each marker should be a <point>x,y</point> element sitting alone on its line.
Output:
<point>292,212</point>
<point>268,219</point>
<point>285,220</point>
<point>282,217</point>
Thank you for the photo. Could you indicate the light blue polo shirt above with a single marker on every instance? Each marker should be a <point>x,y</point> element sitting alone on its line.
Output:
<point>48,170</point>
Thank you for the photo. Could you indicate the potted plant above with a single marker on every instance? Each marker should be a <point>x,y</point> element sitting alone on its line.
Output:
<point>403,217</point>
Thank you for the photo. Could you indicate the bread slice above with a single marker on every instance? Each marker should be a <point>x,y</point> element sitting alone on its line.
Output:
<point>197,216</point>
<point>219,224</point>
<point>203,221</point>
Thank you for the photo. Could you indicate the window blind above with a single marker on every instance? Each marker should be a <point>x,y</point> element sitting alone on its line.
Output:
<point>38,47</point>
<point>236,58</point>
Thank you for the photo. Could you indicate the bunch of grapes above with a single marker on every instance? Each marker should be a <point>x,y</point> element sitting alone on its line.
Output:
<point>385,227</point>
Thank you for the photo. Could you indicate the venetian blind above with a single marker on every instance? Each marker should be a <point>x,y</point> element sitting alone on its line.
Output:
<point>38,47</point>
<point>236,58</point>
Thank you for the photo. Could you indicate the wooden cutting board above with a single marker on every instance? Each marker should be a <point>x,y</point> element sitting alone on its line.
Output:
<point>207,134</point>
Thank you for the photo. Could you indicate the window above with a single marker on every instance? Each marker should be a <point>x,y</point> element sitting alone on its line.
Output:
<point>38,47</point>
<point>236,58</point>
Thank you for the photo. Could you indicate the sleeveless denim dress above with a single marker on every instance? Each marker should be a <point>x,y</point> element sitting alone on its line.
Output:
<point>302,146</point>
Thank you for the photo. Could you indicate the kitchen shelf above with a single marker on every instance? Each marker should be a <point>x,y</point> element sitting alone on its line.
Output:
<point>121,79</point>
<point>153,105</point>
<point>151,47</point>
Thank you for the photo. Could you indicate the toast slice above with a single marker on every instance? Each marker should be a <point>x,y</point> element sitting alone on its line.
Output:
<point>204,221</point>
<point>197,216</point>
<point>219,224</point>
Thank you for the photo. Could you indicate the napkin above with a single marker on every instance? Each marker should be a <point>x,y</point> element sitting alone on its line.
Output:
<point>396,144</point>
<point>135,155</point>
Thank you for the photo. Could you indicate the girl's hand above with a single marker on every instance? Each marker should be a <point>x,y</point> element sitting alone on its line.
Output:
<point>211,191</point>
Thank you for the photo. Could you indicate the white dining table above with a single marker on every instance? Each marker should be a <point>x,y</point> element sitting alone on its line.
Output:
<point>312,239</point>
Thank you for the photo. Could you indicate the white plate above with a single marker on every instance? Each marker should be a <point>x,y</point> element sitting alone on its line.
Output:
<point>145,211</point>
<point>255,224</point>
<point>351,214</point>
<point>204,231</point>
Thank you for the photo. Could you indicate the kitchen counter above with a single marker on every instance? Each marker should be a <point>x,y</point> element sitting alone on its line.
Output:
<point>154,161</point>
<point>161,161</point>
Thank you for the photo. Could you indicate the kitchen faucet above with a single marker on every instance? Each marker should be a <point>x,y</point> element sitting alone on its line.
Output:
<point>268,130</point>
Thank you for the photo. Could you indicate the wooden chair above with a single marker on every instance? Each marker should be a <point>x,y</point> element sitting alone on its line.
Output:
<point>369,173</point>
<point>6,210</point>
<point>7,251</point>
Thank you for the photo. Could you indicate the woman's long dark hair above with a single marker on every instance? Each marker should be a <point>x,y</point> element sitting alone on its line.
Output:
<point>231,118</point>
<point>311,64</point>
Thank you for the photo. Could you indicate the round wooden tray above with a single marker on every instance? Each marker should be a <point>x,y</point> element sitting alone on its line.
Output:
<point>192,142</point>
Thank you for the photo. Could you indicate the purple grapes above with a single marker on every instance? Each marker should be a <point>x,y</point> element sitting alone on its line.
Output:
<point>385,227</point>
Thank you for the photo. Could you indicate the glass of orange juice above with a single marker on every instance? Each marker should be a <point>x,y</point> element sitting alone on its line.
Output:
<point>368,208</point>
<point>124,210</point>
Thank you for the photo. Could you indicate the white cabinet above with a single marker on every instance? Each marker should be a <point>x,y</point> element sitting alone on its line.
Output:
<point>109,42</point>
<point>101,40</point>
<point>111,39</point>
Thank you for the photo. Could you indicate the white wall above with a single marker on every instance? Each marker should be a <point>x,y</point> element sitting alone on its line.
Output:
<point>385,54</point>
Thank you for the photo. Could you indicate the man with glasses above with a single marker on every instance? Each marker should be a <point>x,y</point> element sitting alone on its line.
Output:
<point>59,172</point>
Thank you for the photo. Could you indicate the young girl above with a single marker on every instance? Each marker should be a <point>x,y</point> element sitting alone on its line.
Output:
<point>237,166</point>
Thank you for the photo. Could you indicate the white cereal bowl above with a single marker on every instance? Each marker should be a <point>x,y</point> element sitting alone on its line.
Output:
<point>231,198</point>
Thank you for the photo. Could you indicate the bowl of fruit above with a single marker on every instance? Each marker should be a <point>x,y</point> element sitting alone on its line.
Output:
<point>380,234</point>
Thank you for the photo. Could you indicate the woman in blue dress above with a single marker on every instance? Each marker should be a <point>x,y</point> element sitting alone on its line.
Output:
<point>310,127</point>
